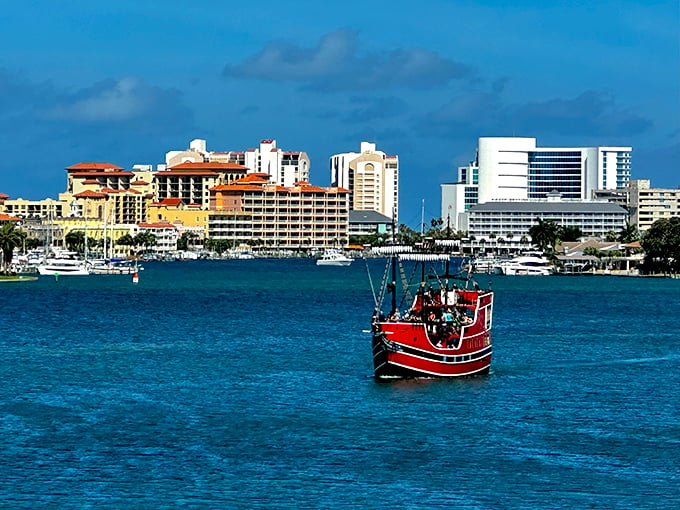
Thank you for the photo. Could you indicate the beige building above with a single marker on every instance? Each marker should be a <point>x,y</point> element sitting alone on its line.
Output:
<point>191,181</point>
<point>300,217</point>
<point>372,178</point>
<point>46,208</point>
<point>176,212</point>
<point>283,167</point>
<point>648,205</point>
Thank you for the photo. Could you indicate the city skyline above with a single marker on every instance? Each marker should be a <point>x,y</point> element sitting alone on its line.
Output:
<point>126,82</point>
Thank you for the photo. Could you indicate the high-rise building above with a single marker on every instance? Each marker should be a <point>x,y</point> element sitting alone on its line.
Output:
<point>284,168</point>
<point>648,205</point>
<point>514,168</point>
<point>372,178</point>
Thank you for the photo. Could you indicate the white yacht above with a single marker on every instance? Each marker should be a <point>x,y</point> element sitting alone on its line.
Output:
<point>63,263</point>
<point>333,257</point>
<point>526,264</point>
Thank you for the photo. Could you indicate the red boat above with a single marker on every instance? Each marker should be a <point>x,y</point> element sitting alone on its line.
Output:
<point>444,329</point>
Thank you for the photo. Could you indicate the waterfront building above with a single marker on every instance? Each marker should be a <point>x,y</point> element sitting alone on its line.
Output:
<point>299,217</point>
<point>648,204</point>
<point>458,197</point>
<point>6,218</point>
<point>283,167</point>
<point>101,175</point>
<point>510,221</point>
<point>176,212</point>
<point>365,223</point>
<point>191,181</point>
<point>515,168</point>
<point>371,176</point>
<point>166,236</point>
<point>34,209</point>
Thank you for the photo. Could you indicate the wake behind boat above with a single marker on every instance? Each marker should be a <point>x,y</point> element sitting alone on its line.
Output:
<point>333,257</point>
<point>444,332</point>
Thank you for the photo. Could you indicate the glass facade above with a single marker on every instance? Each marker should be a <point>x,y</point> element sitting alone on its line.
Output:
<point>554,171</point>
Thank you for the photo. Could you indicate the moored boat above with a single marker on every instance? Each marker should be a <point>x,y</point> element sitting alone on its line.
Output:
<point>526,264</point>
<point>446,329</point>
<point>63,263</point>
<point>334,257</point>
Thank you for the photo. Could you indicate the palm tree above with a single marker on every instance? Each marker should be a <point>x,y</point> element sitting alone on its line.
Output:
<point>544,234</point>
<point>628,234</point>
<point>145,240</point>
<point>10,238</point>
<point>75,240</point>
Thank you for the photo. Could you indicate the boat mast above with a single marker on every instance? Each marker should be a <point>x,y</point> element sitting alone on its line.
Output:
<point>393,284</point>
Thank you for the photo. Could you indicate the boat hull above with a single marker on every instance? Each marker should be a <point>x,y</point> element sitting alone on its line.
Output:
<point>412,349</point>
<point>62,271</point>
<point>341,263</point>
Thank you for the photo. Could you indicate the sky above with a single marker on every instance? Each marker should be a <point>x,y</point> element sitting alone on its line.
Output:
<point>125,82</point>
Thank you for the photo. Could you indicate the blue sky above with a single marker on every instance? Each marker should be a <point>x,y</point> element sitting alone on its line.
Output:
<point>126,81</point>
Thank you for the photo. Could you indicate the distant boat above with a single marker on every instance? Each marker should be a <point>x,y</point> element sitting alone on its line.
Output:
<point>446,329</point>
<point>333,257</point>
<point>489,265</point>
<point>63,263</point>
<point>526,264</point>
<point>113,266</point>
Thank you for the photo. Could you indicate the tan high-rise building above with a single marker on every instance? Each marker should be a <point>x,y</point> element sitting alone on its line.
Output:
<point>372,178</point>
<point>648,205</point>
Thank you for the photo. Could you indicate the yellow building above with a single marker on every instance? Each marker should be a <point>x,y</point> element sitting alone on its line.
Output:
<point>176,212</point>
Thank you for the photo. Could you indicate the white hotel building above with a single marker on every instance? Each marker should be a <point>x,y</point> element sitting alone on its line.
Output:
<point>515,169</point>
<point>372,178</point>
<point>285,168</point>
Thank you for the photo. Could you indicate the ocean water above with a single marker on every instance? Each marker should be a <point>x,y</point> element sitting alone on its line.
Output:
<point>247,384</point>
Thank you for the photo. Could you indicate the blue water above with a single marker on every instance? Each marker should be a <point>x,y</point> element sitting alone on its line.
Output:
<point>247,384</point>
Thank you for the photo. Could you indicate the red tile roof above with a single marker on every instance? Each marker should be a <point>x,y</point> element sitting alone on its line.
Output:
<point>93,166</point>
<point>170,201</point>
<point>90,181</point>
<point>3,196</point>
<point>101,173</point>
<point>90,194</point>
<point>253,178</point>
<point>7,217</point>
<point>139,183</point>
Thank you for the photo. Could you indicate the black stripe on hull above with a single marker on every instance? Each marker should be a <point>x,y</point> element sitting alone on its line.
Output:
<point>390,371</point>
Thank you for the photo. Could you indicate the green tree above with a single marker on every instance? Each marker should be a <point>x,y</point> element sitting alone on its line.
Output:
<point>407,235</point>
<point>610,237</point>
<point>75,240</point>
<point>145,240</point>
<point>662,246</point>
<point>544,234</point>
<point>10,238</point>
<point>185,240</point>
<point>31,243</point>
<point>570,234</point>
<point>628,234</point>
